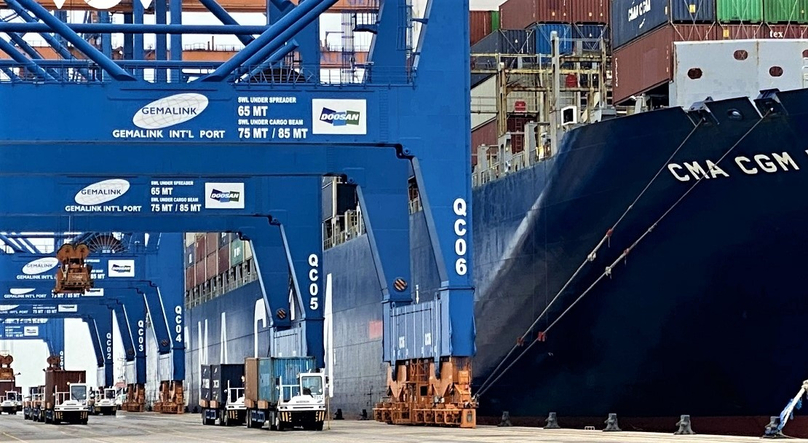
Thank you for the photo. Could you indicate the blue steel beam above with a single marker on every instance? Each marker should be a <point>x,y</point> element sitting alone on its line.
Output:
<point>27,243</point>
<point>11,243</point>
<point>56,25</point>
<point>223,17</point>
<point>135,314</point>
<point>29,65</point>
<point>11,75</point>
<point>161,44</point>
<point>28,49</point>
<point>175,8</point>
<point>273,38</point>
<point>53,42</point>
<point>136,28</point>
<point>275,57</point>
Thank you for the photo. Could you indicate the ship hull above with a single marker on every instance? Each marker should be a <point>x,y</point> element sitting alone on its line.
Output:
<point>700,317</point>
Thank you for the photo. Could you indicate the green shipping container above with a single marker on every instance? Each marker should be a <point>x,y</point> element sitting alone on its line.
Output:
<point>740,11</point>
<point>236,251</point>
<point>495,21</point>
<point>785,11</point>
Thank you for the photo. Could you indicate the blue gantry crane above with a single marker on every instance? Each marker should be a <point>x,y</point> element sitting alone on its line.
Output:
<point>138,145</point>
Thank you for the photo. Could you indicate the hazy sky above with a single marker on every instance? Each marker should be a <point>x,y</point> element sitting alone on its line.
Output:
<point>485,4</point>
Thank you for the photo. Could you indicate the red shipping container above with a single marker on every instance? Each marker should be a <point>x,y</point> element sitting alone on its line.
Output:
<point>212,242</point>
<point>789,31</point>
<point>211,266</point>
<point>224,259</point>
<point>647,62</point>
<point>480,24</point>
<point>201,250</point>
<point>743,32</point>
<point>199,271</point>
<point>521,14</point>
<point>484,135</point>
<point>190,278</point>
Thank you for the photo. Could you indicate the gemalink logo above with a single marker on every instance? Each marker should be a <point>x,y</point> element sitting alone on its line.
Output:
<point>40,266</point>
<point>339,118</point>
<point>170,111</point>
<point>102,192</point>
<point>121,268</point>
<point>333,116</point>
<point>224,195</point>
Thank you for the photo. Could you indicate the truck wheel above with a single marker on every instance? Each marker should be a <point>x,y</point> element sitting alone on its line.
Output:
<point>249,420</point>
<point>318,426</point>
<point>225,420</point>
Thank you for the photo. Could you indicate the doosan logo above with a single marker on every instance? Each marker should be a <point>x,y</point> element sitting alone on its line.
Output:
<point>121,268</point>
<point>170,111</point>
<point>39,266</point>
<point>339,116</point>
<point>224,195</point>
<point>102,192</point>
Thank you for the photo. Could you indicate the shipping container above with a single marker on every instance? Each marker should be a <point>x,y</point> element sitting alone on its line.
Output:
<point>248,252</point>
<point>211,266</point>
<point>743,32</point>
<point>236,252</point>
<point>507,41</point>
<point>190,278</point>
<point>270,370</point>
<point>545,46</point>
<point>520,14</point>
<point>591,11</point>
<point>647,62</point>
<point>789,31</point>
<point>190,238</point>
<point>212,242</point>
<point>483,135</point>
<point>201,249</point>
<point>225,376</point>
<point>224,239</point>
<point>224,259</point>
<point>199,272</point>
<point>250,380</point>
<point>190,257</point>
<point>785,11</point>
<point>589,37</point>
<point>481,23</point>
<point>632,19</point>
<point>204,383</point>
<point>739,11</point>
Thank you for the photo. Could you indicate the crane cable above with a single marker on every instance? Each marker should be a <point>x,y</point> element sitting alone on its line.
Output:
<point>607,272</point>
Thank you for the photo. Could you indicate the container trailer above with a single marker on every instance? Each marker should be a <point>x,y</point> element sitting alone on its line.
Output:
<point>284,392</point>
<point>66,397</point>
<point>222,394</point>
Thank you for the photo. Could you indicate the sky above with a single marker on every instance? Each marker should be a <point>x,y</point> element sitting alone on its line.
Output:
<point>485,4</point>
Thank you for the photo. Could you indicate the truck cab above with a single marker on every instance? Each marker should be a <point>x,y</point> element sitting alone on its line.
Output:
<point>105,402</point>
<point>234,409</point>
<point>11,403</point>
<point>302,403</point>
<point>71,406</point>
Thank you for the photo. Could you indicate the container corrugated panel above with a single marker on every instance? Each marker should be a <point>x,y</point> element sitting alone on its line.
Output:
<point>591,11</point>
<point>211,266</point>
<point>496,23</point>
<point>199,272</point>
<point>59,380</point>
<point>201,249</point>
<point>248,252</point>
<point>589,37</point>
<point>743,32</point>
<point>212,241</point>
<point>543,43</point>
<point>224,239</point>
<point>507,41</point>
<point>224,259</point>
<point>224,376</point>
<point>692,11</point>
<point>480,25</point>
<point>190,278</point>
<point>739,11</point>
<point>236,252</point>
<point>484,135</point>
<point>204,383</point>
<point>646,62</point>
<point>785,11</point>
<point>190,259</point>
<point>251,379</point>
<point>347,199</point>
<point>286,369</point>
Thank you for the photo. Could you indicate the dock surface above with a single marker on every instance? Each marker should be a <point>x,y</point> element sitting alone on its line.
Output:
<point>152,427</point>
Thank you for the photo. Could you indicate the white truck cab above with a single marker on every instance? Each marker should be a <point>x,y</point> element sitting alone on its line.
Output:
<point>11,402</point>
<point>302,404</point>
<point>105,402</point>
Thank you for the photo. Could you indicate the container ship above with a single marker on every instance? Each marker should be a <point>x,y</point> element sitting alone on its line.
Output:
<point>632,255</point>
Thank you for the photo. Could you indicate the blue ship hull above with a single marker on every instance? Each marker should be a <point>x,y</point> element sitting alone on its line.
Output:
<point>701,317</point>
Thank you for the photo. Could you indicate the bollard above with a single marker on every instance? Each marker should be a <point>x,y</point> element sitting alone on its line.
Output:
<point>611,423</point>
<point>338,415</point>
<point>506,419</point>
<point>684,426</point>
<point>772,429</point>
<point>552,422</point>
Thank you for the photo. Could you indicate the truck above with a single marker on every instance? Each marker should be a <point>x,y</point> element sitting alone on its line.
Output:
<point>66,397</point>
<point>103,402</point>
<point>11,403</point>
<point>222,394</point>
<point>285,392</point>
<point>28,402</point>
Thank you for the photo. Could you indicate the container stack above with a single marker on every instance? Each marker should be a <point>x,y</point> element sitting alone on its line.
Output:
<point>644,32</point>
<point>482,23</point>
